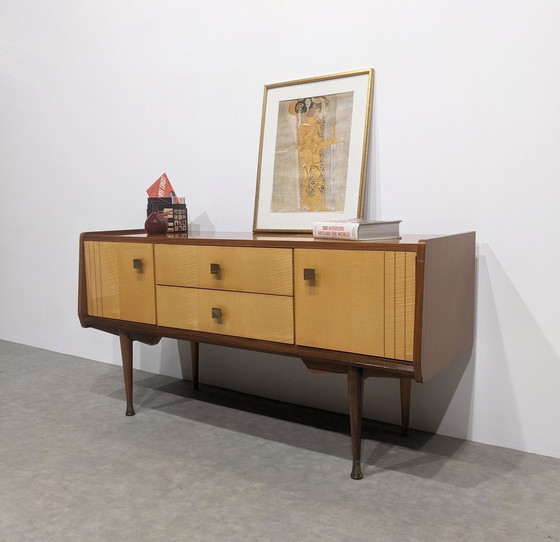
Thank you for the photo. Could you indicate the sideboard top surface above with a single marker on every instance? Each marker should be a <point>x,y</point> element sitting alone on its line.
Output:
<point>405,243</point>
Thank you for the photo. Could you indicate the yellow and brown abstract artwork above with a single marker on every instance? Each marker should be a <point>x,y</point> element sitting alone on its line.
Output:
<point>311,154</point>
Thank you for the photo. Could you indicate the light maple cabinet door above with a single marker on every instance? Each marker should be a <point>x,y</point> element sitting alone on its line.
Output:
<point>120,281</point>
<point>355,301</point>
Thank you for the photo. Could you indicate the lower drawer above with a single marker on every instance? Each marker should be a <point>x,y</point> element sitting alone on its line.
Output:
<point>254,316</point>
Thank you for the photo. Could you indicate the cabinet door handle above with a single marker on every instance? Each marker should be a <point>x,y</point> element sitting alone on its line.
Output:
<point>214,268</point>
<point>217,314</point>
<point>137,263</point>
<point>309,274</point>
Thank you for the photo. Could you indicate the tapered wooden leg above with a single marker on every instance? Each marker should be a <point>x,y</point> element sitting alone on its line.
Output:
<point>355,402</point>
<point>406,384</point>
<point>126,354</point>
<point>194,363</point>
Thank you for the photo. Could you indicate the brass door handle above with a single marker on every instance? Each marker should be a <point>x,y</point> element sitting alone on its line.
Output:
<point>214,268</point>
<point>309,274</point>
<point>137,263</point>
<point>217,314</point>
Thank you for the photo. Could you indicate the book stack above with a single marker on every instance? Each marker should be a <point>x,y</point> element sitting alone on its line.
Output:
<point>174,213</point>
<point>357,229</point>
<point>173,208</point>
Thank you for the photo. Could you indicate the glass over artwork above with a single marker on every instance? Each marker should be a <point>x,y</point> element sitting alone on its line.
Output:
<point>313,151</point>
<point>311,154</point>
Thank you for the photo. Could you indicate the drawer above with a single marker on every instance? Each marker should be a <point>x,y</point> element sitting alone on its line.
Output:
<point>242,269</point>
<point>254,316</point>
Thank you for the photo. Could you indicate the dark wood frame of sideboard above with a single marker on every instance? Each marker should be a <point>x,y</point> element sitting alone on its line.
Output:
<point>445,276</point>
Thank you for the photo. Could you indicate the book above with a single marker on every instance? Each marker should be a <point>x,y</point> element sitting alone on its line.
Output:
<point>161,188</point>
<point>162,203</point>
<point>174,213</point>
<point>357,229</point>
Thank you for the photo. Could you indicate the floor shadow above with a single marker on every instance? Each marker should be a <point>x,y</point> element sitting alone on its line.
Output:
<point>384,447</point>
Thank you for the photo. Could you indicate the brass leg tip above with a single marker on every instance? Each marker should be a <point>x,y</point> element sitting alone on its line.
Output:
<point>130,409</point>
<point>356,471</point>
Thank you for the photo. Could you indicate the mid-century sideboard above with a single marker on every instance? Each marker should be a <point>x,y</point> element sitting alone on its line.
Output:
<point>395,308</point>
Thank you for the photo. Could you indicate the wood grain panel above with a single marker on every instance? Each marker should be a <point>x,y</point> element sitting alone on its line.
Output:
<point>177,307</point>
<point>254,316</point>
<point>109,280</point>
<point>243,269</point>
<point>400,304</point>
<point>400,283</point>
<point>390,304</point>
<point>360,302</point>
<point>137,290</point>
<point>409,305</point>
<point>343,308</point>
<point>115,289</point>
<point>91,255</point>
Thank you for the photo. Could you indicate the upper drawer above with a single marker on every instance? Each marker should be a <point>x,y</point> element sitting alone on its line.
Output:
<point>242,269</point>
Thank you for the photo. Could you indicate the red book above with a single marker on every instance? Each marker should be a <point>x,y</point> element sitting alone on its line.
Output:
<point>161,188</point>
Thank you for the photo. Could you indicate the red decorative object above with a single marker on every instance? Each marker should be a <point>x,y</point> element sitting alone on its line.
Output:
<point>161,188</point>
<point>156,222</point>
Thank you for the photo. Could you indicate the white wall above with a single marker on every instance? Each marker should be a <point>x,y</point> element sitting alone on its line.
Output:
<point>98,98</point>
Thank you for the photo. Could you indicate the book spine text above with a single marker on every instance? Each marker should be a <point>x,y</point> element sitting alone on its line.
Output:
<point>336,231</point>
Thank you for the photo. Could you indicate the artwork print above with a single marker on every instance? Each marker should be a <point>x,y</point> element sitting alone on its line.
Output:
<point>311,154</point>
<point>313,151</point>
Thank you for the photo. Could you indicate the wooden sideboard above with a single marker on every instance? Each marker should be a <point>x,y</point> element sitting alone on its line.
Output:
<point>400,308</point>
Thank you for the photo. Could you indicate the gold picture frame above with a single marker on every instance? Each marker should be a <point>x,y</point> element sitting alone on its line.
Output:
<point>313,151</point>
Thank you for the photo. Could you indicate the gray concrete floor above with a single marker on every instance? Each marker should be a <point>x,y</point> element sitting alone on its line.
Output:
<point>216,465</point>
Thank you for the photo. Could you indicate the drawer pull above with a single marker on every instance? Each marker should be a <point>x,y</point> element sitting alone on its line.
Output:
<point>137,263</point>
<point>214,268</point>
<point>217,314</point>
<point>309,274</point>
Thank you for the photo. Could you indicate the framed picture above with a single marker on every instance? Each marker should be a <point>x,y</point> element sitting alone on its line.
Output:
<point>313,151</point>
